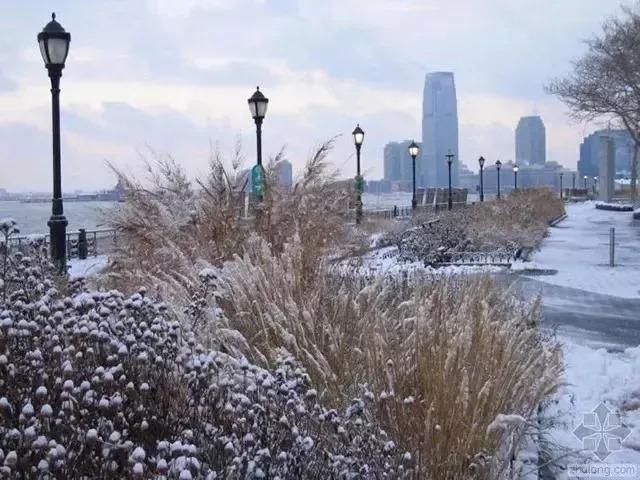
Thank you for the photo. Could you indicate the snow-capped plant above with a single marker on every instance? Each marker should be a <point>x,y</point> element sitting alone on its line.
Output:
<point>438,362</point>
<point>101,385</point>
<point>174,229</point>
<point>518,220</point>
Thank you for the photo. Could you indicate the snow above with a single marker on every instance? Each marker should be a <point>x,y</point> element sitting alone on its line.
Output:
<point>87,268</point>
<point>578,248</point>
<point>384,262</point>
<point>621,207</point>
<point>504,422</point>
<point>594,376</point>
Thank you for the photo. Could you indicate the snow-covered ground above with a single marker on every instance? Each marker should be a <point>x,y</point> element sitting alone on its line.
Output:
<point>87,268</point>
<point>596,376</point>
<point>384,262</point>
<point>578,248</point>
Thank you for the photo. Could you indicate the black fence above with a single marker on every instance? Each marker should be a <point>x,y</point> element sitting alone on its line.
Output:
<point>80,243</point>
<point>404,212</point>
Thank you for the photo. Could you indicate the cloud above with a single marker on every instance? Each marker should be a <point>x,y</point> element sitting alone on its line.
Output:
<point>176,76</point>
<point>6,85</point>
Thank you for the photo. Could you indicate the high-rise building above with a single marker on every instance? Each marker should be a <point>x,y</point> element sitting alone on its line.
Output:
<point>530,141</point>
<point>439,131</point>
<point>398,162</point>
<point>285,173</point>
<point>623,152</point>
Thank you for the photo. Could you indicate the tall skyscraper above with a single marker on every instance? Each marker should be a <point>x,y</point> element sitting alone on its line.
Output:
<point>531,144</point>
<point>439,131</point>
<point>398,162</point>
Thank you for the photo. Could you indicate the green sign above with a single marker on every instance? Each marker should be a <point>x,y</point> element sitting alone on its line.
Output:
<point>257,179</point>
<point>359,183</point>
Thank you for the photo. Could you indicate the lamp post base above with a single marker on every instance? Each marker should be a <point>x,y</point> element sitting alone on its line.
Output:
<point>414,203</point>
<point>58,234</point>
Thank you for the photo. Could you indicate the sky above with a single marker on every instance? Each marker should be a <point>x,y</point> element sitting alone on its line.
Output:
<point>172,77</point>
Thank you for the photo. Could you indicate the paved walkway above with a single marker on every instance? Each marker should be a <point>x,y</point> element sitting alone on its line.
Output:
<point>596,311</point>
<point>578,248</point>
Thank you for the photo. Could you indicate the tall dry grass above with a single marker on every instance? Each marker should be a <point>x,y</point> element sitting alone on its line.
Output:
<point>175,227</point>
<point>440,361</point>
<point>519,219</point>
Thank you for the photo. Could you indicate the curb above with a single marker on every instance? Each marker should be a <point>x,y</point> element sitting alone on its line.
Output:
<point>557,220</point>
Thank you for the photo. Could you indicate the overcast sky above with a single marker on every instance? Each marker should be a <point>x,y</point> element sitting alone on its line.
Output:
<point>174,75</point>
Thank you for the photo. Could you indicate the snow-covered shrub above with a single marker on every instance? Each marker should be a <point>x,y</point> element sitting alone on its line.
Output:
<point>100,385</point>
<point>519,220</point>
<point>22,269</point>
<point>440,361</point>
<point>436,240</point>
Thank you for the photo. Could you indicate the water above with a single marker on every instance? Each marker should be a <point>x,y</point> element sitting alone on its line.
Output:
<point>33,217</point>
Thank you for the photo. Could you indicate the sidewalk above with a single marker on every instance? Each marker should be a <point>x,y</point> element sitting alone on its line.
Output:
<point>600,305</point>
<point>578,248</point>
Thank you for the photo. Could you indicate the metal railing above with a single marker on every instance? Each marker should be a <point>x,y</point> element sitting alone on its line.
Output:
<point>80,243</point>
<point>406,211</point>
<point>481,258</point>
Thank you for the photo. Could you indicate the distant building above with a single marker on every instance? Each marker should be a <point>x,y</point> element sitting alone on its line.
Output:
<point>398,163</point>
<point>3,193</point>
<point>468,179</point>
<point>623,152</point>
<point>439,131</point>
<point>284,171</point>
<point>377,187</point>
<point>529,176</point>
<point>530,141</point>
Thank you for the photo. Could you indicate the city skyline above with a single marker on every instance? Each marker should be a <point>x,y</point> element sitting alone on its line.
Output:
<point>180,94</point>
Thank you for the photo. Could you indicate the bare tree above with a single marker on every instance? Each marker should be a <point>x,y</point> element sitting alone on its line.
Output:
<point>605,82</point>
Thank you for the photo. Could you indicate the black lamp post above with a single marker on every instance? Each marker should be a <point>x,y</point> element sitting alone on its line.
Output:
<point>573,182</point>
<point>585,183</point>
<point>358,137</point>
<point>561,186</point>
<point>449,162</point>
<point>54,47</point>
<point>498,165</point>
<point>414,149</point>
<point>258,106</point>
<point>595,186</point>
<point>515,177</point>
<point>481,163</point>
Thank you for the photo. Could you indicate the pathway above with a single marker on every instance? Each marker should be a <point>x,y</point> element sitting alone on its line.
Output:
<point>596,311</point>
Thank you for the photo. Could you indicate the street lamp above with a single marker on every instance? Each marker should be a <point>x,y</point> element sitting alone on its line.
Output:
<point>595,186</point>
<point>258,106</point>
<point>498,165</point>
<point>414,149</point>
<point>481,163</point>
<point>573,183</point>
<point>358,137</point>
<point>585,184</point>
<point>54,47</point>
<point>515,177</point>
<point>449,162</point>
<point>561,186</point>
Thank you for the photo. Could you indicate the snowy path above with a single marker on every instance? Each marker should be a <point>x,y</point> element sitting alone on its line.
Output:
<point>596,310</point>
<point>579,249</point>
